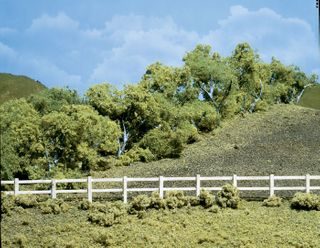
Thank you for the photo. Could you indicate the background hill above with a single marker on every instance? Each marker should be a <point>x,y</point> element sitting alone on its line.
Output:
<point>311,97</point>
<point>13,86</point>
<point>284,140</point>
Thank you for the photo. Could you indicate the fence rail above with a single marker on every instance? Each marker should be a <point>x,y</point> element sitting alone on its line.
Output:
<point>161,189</point>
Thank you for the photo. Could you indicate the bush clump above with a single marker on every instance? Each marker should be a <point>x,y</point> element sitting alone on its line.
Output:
<point>7,203</point>
<point>176,199</point>
<point>228,197</point>
<point>26,201</point>
<point>272,201</point>
<point>140,203</point>
<point>85,205</point>
<point>107,214</point>
<point>54,206</point>
<point>206,199</point>
<point>306,201</point>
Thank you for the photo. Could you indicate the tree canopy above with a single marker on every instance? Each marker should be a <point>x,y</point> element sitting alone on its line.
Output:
<point>56,130</point>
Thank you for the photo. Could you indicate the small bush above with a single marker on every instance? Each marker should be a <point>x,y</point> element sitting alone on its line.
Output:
<point>140,203</point>
<point>85,205</point>
<point>26,201</point>
<point>107,214</point>
<point>175,199</point>
<point>7,203</point>
<point>214,209</point>
<point>193,201</point>
<point>54,206</point>
<point>206,199</point>
<point>157,202</point>
<point>228,197</point>
<point>306,201</point>
<point>272,201</point>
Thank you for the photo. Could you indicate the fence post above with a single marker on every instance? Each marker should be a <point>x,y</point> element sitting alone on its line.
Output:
<point>53,189</point>
<point>198,185</point>
<point>271,185</point>
<point>125,186</point>
<point>89,181</point>
<point>161,187</point>
<point>308,183</point>
<point>16,186</point>
<point>234,180</point>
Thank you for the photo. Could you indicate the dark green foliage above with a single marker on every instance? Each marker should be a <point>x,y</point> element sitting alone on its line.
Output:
<point>272,201</point>
<point>228,197</point>
<point>306,201</point>
<point>54,206</point>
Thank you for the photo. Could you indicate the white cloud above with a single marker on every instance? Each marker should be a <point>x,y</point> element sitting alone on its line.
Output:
<point>7,52</point>
<point>289,39</point>
<point>140,41</point>
<point>60,21</point>
<point>58,51</point>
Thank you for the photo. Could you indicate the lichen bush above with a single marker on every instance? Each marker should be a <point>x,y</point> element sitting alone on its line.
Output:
<point>228,197</point>
<point>176,199</point>
<point>272,201</point>
<point>85,205</point>
<point>206,199</point>
<point>306,201</point>
<point>140,203</point>
<point>54,206</point>
<point>26,201</point>
<point>107,214</point>
<point>7,203</point>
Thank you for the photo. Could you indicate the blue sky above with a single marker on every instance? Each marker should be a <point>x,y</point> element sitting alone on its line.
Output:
<point>81,43</point>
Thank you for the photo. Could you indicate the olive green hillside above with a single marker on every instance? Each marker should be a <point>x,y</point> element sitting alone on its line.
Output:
<point>13,86</point>
<point>311,97</point>
<point>285,140</point>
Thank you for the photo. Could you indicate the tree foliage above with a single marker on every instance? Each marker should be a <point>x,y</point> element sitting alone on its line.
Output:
<point>57,131</point>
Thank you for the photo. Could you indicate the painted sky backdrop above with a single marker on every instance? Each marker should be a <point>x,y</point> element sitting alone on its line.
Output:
<point>80,43</point>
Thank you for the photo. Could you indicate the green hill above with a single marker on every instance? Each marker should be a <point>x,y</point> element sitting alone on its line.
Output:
<point>311,97</point>
<point>13,86</point>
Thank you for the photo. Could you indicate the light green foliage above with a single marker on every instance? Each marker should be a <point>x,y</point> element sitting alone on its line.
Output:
<point>176,199</point>
<point>140,203</point>
<point>306,201</point>
<point>53,99</point>
<point>272,201</point>
<point>163,142</point>
<point>7,203</point>
<point>78,137</point>
<point>26,201</point>
<point>107,214</point>
<point>54,206</point>
<point>206,199</point>
<point>228,197</point>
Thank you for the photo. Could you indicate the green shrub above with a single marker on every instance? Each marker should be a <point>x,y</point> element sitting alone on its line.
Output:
<point>228,197</point>
<point>272,201</point>
<point>140,203</point>
<point>85,205</point>
<point>306,201</point>
<point>26,201</point>
<point>214,209</point>
<point>175,199</point>
<point>206,199</point>
<point>156,201</point>
<point>107,214</point>
<point>7,203</point>
<point>193,201</point>
<point>54,206</point>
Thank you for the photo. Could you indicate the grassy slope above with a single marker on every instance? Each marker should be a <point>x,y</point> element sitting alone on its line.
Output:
<point>311,97</point>
<point>250,226</point>
<point>284,141</point>
<point>12,86</point>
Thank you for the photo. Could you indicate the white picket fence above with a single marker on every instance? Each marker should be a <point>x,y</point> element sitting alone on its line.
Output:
<point>89,190</point>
